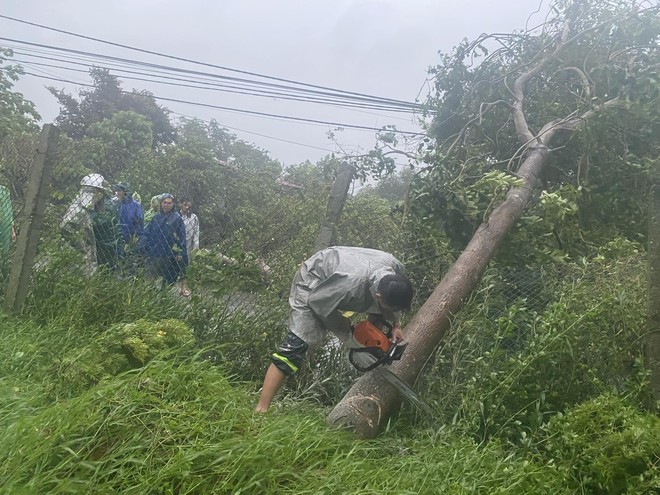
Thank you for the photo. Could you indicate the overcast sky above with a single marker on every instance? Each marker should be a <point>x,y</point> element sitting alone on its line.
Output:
<point>379,47</point>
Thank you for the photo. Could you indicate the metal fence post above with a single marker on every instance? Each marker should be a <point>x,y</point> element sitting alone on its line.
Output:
<point>652,348</point>
<point>32,219</point>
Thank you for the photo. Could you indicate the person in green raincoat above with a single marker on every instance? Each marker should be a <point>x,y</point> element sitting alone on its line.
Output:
<point>7,235</point>
<point>107,235</point>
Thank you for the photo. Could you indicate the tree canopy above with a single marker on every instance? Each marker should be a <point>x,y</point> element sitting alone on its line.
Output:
<point>16,113</point>
<point>103,100</point>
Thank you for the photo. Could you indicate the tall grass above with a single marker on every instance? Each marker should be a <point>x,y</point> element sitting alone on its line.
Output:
<point>184,427</point>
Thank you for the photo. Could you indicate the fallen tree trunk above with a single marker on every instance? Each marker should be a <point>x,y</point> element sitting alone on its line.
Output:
<point>371,400</point>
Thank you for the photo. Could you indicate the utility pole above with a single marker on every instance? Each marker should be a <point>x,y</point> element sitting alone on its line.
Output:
<point>32,219</point>
<point>652,348</point>
<point>328,231</point>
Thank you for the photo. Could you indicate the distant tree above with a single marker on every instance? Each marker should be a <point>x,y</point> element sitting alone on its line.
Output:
<point>104,100</point>
<point>112,145</point>
<point>392,188</point>
<point>16,113</point>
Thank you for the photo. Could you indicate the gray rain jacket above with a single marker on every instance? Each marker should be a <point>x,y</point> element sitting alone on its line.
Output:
<point>337,279</point>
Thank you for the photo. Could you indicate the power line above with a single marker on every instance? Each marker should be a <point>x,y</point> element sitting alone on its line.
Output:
<point>213,86</point>
<point>258,134</point>
<point>183,59</point>
<point>339,97</point>
<point>248,112</point>
<point>199,80</point>
<point>226,126</point>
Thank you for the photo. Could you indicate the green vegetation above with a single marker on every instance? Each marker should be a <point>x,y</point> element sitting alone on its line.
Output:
<point>541,398</point>
<point>111,385</point>
<point>184,423</point>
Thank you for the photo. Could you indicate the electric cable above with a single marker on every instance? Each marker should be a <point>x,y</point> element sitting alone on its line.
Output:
<point>387,129</point>
<point>339,95</point>
<point>210,86</point>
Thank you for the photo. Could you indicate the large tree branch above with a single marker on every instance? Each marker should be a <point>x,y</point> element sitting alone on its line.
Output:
<point>518,90</point>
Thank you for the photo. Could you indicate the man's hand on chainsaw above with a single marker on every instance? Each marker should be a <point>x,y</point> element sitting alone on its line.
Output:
<point>397,333</point>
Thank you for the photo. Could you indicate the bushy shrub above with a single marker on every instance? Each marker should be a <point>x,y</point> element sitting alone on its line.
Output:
<point>607,446</point>
<point>506,373</point>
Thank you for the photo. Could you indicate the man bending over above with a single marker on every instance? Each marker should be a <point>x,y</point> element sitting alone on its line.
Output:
<point>334,280</point>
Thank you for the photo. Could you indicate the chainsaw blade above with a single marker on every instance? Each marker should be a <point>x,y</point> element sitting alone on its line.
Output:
<point>404,388</point>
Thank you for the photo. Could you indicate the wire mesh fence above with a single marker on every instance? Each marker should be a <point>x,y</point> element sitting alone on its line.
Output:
<point>106,227</point>
<point>235,284</point>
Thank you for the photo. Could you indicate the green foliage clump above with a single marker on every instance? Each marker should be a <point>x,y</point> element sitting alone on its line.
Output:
<point>607,446</point>
<point>16,113</point>
<point>509,366</point>
<point>121,348</point>
<point>143,340</point>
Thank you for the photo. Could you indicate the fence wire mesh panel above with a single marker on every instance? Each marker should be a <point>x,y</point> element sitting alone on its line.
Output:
<point>225,266</point>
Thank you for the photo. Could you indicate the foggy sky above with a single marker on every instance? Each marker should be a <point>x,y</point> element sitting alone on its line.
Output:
<point>379,47</point>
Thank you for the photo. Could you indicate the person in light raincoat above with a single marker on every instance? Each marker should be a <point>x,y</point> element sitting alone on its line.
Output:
<point>332,281</point>
<point>191,222</point>
<point>88,224</point>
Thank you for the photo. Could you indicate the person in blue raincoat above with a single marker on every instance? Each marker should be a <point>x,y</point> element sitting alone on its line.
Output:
<point>164,241</point>
<point>131,217</point>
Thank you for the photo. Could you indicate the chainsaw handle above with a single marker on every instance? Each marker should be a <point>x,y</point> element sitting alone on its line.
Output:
<point>384,358</point>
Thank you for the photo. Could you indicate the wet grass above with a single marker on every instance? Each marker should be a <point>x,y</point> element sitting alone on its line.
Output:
<point>182,426</point>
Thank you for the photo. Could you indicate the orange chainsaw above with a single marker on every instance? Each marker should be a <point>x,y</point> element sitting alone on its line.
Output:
<point>375,347</point>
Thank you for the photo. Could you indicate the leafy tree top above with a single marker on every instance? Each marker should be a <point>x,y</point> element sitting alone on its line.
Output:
<point>105,99</point>
<point>16,113</point>
<point>584,84</point>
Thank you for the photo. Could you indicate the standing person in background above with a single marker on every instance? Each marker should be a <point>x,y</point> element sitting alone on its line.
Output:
<point>107,234</point>
<point>131,223</point>
<point>77,226</point>
<point>191,222</point>
<point>154,208</point>
<point>164,240</point>
<point>131,218</point>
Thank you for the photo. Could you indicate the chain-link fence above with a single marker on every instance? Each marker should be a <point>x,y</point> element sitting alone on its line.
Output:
<point>101,233</point>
